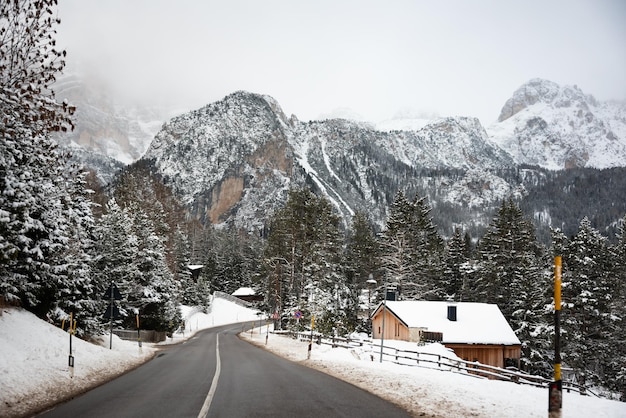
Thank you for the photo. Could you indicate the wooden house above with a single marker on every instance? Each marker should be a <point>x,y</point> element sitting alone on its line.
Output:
<point>248,294</point>
<point>474,331</point>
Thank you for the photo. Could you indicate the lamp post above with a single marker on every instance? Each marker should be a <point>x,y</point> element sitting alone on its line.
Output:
<point>382,334</point>
<point>370,282</point>
<point>276,263</point>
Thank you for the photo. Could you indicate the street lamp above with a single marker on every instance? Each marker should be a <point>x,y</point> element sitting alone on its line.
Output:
<point>370,283</point>
<point>382,335</point>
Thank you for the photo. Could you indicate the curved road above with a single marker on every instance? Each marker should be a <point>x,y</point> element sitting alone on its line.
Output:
<point>215,374</point>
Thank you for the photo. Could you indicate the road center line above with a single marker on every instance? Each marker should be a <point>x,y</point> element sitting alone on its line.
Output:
<point>209,397</point>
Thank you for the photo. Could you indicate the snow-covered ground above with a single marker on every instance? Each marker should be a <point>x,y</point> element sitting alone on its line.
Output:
<point>34,356</point>
<point>34,370</point>
<point>431,392</point>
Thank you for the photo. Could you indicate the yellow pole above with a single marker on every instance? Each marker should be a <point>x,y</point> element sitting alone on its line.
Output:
<point>555,391</point>
<point>557,312</point>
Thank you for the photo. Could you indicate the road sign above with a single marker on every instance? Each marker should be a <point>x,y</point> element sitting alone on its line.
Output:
<point>112,315</point>
<point>113,292</point>
<point>298,314</point>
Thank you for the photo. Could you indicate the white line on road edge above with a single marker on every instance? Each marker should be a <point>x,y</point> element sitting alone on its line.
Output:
<point>209,397</point>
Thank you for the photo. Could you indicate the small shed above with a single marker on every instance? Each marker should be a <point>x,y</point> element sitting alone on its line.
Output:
<point>474,331</point>
<point>247,293</point>
<point>195,270</point>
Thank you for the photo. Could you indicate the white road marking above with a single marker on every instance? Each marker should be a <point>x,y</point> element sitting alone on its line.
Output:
<point>209,397</point>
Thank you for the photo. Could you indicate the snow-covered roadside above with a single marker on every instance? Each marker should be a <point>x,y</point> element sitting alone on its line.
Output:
<point>34,370</point>
<point>430,392</point>
<point>34,357</point>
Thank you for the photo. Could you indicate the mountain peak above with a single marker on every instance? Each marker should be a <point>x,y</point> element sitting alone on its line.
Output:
<point>544,91</point>
<point>559,127</point>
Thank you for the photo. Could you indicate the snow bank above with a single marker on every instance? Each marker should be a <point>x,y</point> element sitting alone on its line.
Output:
<point>34,370</point>
<point>429,391</point>
<point>34,362</point>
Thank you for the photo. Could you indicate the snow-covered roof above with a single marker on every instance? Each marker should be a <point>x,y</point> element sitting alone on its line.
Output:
<point>476,323</point>
<point>244,291</point>
<point>195,266</point>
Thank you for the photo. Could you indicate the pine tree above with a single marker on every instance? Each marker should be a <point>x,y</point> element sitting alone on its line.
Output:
<point>455,264</point>
<point>362,262</point>
<point>428,247</point>
<point>236,256</point>
<point>80,295</point>
<point>412,249</point>
<point>114,252</point>
<point>589,323</point>
<point>324,268</point>
<point>138,185</point>
<point>302,257</point>
<point>615,372</point>
<point>396,253</point>
<point>508,259</point>
<point>512,275</point>
<point>42,205</point>
<point>153,293</point>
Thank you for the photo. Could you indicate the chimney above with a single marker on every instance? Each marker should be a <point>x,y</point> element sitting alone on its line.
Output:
<point>391,292</point>
<point>451,311</point>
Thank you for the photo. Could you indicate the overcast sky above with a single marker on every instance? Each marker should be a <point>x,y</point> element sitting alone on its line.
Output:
<point>377,59</point>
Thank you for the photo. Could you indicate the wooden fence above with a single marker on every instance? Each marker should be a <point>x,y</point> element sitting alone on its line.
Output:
<point>147,336</point>
<point>438,362</point>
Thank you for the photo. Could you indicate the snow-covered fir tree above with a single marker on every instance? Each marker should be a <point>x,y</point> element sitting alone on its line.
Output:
<point>302,256</point>
<point>362,261</point>
<point>511,273</point>
<point>81,294</point>
<point>153,293</point>
<point>326,287</point>
<point>42,206</point>
<point>615,372</point>
<point>395,252</point>
<point>589,322</point>
<point>455,261</point>
<point>236,256</point>
<point>412,249</point>
<point>115,251</point>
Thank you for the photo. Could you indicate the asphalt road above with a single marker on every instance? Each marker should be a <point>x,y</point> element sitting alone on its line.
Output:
<point>215,374</point>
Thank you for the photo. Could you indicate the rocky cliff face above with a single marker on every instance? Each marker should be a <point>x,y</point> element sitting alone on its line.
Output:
<point>560,127</point>
<point>227,156</point>
<point>234,160</point>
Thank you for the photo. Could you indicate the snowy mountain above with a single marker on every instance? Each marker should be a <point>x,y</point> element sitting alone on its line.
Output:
<point>234,160</point>
<point>560,127</point>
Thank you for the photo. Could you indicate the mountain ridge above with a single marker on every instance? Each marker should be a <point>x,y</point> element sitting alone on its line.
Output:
<point>560,127</point>
<point>231,162</point>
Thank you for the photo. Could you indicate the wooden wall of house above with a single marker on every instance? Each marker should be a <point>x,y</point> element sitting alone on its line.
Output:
<point>492,355</point>
<point>394,329</point>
